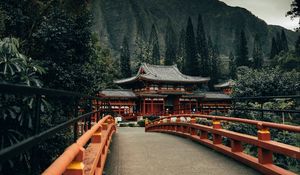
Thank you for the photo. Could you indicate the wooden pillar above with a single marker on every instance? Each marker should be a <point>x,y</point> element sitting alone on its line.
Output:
<point>144,106</point>
<point>163,112</point>
<point>190,105</point>
<point>140,106</point>
<point>152,111</point>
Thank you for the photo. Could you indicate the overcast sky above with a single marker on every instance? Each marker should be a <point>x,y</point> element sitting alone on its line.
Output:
<point>271,11</point>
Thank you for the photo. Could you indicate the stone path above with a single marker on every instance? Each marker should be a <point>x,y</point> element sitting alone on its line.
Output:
<point>134,152</point>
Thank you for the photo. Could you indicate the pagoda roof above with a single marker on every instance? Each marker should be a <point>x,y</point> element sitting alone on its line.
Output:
<point>118,93</point>
<point>229,83</point>
<point>208,95</point>
<point>162,74</point>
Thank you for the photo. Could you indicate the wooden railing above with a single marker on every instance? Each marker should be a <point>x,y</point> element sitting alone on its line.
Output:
<point>78,160</point>
<point>185,125</point>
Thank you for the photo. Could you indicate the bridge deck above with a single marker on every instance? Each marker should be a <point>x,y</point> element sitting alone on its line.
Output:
<point>134,152</point>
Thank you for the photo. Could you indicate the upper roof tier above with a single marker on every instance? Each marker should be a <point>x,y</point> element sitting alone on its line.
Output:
<point>161,73</point>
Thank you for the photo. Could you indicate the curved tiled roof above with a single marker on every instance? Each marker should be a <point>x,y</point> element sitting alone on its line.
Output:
<point>226,84</point>
<point>162,73</point>
<point>209,95</point>
<point>118,93</point>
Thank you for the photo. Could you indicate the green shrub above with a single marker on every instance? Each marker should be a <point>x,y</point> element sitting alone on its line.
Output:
<point>151,118</point>
<point>131,125</point>
<point>123,125</point>
<point>141,123</point>
<point>203,121</point>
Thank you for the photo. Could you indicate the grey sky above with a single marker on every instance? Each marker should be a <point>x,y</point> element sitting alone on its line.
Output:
<point>271,11</point>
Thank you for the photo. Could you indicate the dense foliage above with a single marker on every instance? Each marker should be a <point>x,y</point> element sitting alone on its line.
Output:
<point>266,82</point>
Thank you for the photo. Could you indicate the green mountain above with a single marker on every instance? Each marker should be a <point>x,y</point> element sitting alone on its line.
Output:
<point>116,18</point>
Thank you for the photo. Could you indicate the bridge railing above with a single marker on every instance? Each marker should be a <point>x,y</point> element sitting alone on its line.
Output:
<point>185,125</point>
<point>74,159</point>
<point>81,120</point>
<point>232,105</point>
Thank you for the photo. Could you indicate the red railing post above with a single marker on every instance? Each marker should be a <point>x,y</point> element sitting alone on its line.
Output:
<point>264,156</point>
<point>178,120</point>
<point>236,146</point>
<point>76,167</point>
<point>217,139</point>
<point>204,134</point>
<point>193,120</point>
<point>96,138</point>
<point>192,131</point>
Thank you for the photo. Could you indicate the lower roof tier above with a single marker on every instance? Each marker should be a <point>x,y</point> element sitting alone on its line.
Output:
<point>129,94</point>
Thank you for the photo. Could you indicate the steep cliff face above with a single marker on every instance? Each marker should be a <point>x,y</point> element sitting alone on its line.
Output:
<point>116,18</point>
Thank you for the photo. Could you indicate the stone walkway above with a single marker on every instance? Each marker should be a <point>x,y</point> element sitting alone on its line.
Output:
<point>134,152</point>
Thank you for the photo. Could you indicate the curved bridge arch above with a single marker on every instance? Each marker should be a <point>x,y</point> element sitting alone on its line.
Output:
<point>197,132</point>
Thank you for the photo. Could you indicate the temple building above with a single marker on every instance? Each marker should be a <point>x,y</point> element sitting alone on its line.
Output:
<point>162,90</point>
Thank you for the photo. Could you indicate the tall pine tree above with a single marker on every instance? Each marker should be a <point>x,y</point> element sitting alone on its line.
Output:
<point>191,62</point>
<point>274,49</point>
<point>242,51</point>
<point>215,67</point>
<point>257,53</point>
<point>202,48</point>
<point>210,51</point>
<point>284,42</point>
<point>232,66</point>
<point>278,41</point>
<point>171,42</point>
<point>180,56</point>
<point>125,59</point>
<point>154,45</point>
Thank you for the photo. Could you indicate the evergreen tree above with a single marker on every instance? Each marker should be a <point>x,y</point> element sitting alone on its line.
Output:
<point>171,42</point>
<point>257,53</point>
<point>180,56</point>
<point>202,48</point>
<point>142,52</point>
<point>242,51</point>
<point>210,55</point>
<point>125,59</point>
<point>278,41</point>
<point>284,42</point>
<point>154,45</point>
<point>191,62</point>
<point>274,48</point>
<point>297,47</point>
<point>215,67</point>
<point>232,66</point>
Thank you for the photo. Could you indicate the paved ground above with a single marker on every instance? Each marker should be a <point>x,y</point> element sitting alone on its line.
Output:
<point>134,152</point>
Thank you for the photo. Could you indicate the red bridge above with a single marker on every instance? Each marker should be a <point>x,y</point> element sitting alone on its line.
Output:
<point>134,151</point>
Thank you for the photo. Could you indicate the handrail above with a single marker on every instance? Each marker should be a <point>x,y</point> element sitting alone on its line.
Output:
<point>240,120</point>
<point>101,134</point>
<point>38,136</point>
<point>262,141</point>
<point>9,152</point>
